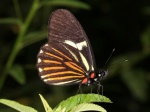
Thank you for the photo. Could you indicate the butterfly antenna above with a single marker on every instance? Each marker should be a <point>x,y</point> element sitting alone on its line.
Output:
<point>109,58</point>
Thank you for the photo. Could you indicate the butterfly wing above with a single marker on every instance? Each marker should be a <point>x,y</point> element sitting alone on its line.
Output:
<point>67,57</point>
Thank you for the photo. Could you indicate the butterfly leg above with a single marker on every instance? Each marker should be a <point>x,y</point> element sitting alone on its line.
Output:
<point>79,90</point>
<point>100,89</point>
<point>91,88</point>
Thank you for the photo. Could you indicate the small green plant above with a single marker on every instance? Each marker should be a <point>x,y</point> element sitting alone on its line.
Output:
<point>25,37</point>
<point>77,103</point>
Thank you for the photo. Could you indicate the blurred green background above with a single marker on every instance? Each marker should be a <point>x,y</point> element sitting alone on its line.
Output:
<point>120,24</point>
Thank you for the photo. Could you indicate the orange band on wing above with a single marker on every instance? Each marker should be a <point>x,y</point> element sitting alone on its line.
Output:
<point>53,68</point>
<point>62,73</point>
<point>77,66</point>
<point>69,64</point>
<point>49,54</point>
<point>64,77</point>
<point>50,61</point>
<point>61,54</point>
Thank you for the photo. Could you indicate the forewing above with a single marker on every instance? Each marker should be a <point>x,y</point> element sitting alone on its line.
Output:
<point>65,28</point>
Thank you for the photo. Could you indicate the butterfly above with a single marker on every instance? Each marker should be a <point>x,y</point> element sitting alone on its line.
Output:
<point>67,57</point>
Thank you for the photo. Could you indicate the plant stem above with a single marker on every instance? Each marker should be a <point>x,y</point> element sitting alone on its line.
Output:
<point>17,9</point>
<point>16,48</point>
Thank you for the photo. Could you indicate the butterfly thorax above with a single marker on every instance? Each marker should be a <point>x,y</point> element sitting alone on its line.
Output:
<point>94,78</point>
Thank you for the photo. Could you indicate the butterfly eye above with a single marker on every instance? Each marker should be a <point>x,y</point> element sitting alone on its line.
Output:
<point>102,74</point>
<point>105,74</point>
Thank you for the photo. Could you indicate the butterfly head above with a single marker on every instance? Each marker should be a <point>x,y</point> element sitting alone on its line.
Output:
<point>102,74</point>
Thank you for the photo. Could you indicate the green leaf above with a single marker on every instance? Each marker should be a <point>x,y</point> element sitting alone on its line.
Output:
<point>69,3</point>
<point>17,106</point>
<point>88,107</point>
<point>146,10</point>
<point>32,38</point>
<point>10,21</point>
<point>82,98</point>
<point>145,40</point>
<point>60,109</point>
<point>45,104</point>
<point>17,73</point>
<point>137,83</point>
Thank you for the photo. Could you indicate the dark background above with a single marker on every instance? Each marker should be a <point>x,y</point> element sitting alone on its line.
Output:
<point>120,24</point>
